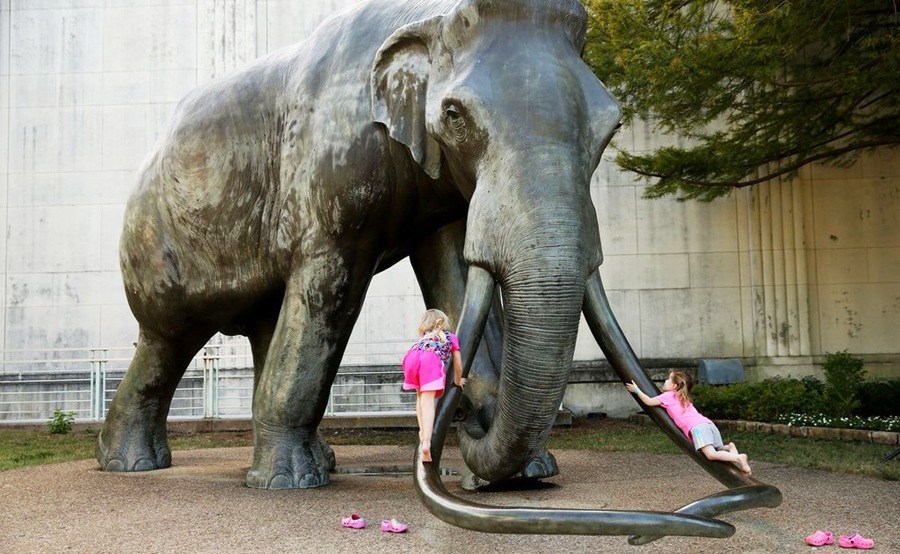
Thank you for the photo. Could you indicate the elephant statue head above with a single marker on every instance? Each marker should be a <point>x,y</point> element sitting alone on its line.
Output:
<point>494,95</point>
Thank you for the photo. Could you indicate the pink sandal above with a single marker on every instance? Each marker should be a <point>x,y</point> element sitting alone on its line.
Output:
<point>855,541</point>
<point>393,526</point>
<point>819,538</point>
<point>354,521</point>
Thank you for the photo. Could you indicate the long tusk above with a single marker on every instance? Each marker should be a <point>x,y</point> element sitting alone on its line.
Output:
<point>621,357</point>
<point>476,306</point>
<point>554,521</point>
<point>746,492</point>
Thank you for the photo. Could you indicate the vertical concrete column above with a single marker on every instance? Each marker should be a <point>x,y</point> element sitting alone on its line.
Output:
<point>776,276</point>
<point>4,156</point>
<point>226,35</point>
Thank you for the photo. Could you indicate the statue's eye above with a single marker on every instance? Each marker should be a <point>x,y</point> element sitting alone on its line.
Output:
<point>455,122</point>
<point>452,113</point>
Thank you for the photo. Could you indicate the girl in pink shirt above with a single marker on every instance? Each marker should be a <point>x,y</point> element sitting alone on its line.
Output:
<point>676,399</point>
<point>423,371</point>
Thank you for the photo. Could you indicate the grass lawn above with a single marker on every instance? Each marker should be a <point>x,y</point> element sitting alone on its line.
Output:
<point>28,448</point>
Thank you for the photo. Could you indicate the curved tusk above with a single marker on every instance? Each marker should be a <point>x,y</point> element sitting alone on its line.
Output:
<point>476,306</point>
<point>746,492</point>
<point>731,500</point>
<point>554,521</point>
<point>621,357</point>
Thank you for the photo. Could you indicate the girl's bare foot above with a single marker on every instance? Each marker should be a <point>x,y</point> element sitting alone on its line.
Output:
<point>426,453</point>
<point>742,461</point>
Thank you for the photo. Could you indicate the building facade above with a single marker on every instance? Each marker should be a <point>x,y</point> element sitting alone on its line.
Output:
<point>777,274</point>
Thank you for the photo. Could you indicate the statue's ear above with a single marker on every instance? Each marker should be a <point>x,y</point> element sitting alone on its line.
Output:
<point>399,89</point>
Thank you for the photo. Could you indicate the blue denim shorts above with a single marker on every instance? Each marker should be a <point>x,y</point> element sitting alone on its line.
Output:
<point>706,434</point>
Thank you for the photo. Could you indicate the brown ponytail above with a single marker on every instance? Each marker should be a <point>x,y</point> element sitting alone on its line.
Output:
<point>683,384</point>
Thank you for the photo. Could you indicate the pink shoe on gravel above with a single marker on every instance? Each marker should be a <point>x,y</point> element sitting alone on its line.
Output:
<point>819,538</point>
<point>354,521</point>
<point>393,526</point>
<point>855,541</point>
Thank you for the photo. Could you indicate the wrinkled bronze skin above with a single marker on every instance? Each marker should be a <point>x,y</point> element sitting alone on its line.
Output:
<point>461,134</point>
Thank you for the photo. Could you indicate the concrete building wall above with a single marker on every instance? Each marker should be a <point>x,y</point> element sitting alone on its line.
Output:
<point>776,274</point>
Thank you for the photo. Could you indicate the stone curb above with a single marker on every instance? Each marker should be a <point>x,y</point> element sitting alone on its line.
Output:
<point>819,433</point>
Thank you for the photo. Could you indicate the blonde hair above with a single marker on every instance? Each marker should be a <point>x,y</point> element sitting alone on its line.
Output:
<point>683,384</point>
<point>434,320</point>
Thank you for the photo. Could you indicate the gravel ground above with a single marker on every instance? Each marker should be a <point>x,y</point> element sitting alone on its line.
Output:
<point>201,505</point>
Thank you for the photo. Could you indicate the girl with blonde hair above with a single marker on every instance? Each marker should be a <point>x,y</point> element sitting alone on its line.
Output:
<point>423,371</point>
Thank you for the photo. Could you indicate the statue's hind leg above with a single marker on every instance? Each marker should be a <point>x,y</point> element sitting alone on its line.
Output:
<point>133,437</point>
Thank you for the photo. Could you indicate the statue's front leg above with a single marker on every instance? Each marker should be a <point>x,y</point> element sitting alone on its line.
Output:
<point>314,326</point>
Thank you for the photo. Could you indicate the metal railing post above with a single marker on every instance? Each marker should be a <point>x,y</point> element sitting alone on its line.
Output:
<point>98,384</point>
<point>211,381</point>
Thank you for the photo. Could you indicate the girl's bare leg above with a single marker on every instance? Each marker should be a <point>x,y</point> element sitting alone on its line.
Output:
<point>427,425</point>
<point>732,448</point>
<point>419,414</point>
<point>726,456</point>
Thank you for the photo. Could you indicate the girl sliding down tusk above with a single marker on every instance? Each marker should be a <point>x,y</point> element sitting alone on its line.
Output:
<point>676,399</point>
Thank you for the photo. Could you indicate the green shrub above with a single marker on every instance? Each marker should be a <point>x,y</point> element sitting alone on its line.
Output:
<point>777,396</point>
<point>722,402</point>
<point>60,422</point>
<point>879,398</point>
<point>843,376</point>
<point>762,401</point>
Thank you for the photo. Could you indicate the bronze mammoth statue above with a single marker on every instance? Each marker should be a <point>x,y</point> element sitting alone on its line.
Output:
<point>460,133</point>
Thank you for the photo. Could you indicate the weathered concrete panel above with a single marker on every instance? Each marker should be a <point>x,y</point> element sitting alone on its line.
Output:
<point>165,39</point>
<point>658,271</point>
<point>44,328</point>
<point>691,323</point>
<point>615,206</point>
<point>884,265</point>
<point>665,226</point>
<point>56,40</point>
<point>289,22</point>
<point>42,139</point>
<point>124,136</point>
<point>171,85</point>
<point>117,325</point>
<point>391,326</point>
<point>860,317</point>
<point>714,269</point>
<point>51,239</point>
<point>842,265</point>
<point>112,217</point>
<point>860,213</point>
<point>626,306</point>
<point>70,189</point>
<point>25,290</point>
<point>4,43</point>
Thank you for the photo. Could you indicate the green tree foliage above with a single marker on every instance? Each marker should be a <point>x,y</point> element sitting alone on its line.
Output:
<point>757,88</point>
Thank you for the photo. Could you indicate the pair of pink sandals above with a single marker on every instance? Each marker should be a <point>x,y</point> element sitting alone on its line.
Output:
<point>820,538</point>
<point>355,521</point>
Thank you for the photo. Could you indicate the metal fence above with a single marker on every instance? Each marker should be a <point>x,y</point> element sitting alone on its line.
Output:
<point>218,383</point>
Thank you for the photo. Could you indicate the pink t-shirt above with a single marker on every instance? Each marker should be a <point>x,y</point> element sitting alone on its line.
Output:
<point>686,418</point>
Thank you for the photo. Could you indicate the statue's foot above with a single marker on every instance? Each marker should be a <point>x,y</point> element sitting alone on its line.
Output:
<point>289,459</point>
<point>542,464</point>
<point>122,448</point>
